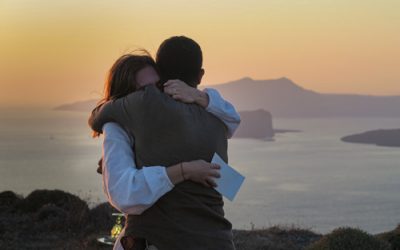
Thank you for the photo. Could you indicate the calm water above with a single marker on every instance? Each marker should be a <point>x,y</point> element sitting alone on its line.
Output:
<point>309,179</point>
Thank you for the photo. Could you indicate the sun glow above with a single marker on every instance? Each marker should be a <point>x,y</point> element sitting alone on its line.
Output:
<point>59,51</point>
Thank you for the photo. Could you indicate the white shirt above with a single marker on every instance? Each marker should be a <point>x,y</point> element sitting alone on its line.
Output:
<point>132,190</point>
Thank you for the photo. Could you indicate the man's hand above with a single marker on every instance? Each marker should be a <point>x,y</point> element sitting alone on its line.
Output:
<point>180,91</point>
<point>202,172</point>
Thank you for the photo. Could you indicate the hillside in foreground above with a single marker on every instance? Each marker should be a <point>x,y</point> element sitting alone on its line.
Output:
<point>54,219</point>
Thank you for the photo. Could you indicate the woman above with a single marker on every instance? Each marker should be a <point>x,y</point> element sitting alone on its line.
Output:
<point>133,190</point>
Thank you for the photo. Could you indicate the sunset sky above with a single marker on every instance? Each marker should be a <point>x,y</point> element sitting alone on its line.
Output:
<point>52,52</point>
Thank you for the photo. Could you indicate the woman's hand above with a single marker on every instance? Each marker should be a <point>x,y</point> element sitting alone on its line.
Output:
<point>201,172</point>
<point>180,91</point>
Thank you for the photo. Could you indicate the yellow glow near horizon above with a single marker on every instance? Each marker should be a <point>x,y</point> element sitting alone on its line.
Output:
<point>59,51</point>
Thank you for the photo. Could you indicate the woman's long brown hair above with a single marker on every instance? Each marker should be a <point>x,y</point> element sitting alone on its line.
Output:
<point>121,78</point>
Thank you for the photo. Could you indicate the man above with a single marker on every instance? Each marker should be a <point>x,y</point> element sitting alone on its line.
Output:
<point>189,216</point>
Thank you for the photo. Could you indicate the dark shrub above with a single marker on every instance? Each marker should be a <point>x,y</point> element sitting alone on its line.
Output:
<point>274,238</point>
<point>50,211</point>
<point>8,199</point>
<point>50,217</point>
<point>76,210</point>
<point>2,229</point>
<point>100,217</point>
<point>38,198</point>
<point>393,237</point>
<point>349,239</point>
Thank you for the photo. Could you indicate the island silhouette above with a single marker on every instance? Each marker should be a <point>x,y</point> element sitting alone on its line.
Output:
<point>260,100</point>
<point>284,98</point>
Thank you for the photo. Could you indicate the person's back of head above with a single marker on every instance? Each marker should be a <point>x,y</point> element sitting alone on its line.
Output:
<point>180,57</point>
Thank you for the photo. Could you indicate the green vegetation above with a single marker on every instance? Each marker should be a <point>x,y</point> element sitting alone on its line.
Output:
<point>349,239</point>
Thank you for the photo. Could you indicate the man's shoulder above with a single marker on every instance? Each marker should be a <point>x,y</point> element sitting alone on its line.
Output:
<point>151,95</point>
<point>168,109</point>
<point>157,100</point>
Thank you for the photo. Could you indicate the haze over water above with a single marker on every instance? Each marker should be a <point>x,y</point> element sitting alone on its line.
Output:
<point>310,178</point>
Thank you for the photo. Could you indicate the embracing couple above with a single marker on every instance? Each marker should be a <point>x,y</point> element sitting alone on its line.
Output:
<point>160,134</point>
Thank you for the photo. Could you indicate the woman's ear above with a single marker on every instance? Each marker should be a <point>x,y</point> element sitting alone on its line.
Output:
<point>201,74</point>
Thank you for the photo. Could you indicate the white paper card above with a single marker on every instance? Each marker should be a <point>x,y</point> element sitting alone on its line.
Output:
<point>230,181</point>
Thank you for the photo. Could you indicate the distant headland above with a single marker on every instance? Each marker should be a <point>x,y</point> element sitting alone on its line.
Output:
<point>380,137</point>
<point>284,98</point>
<point>259,101</point>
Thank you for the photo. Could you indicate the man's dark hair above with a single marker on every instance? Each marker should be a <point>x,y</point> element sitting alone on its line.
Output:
<point>180,57</point>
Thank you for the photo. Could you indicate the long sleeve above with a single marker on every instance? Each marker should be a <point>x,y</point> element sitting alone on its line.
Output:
<point>224,110</point>
<point>133,110</point>
<point>111,111</point>
<point>129,189</point>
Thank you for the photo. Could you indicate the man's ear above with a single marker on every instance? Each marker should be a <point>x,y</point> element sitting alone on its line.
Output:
<point>201,74</point>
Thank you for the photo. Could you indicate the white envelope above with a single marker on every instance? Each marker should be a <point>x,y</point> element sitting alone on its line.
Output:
<point>230,181</point>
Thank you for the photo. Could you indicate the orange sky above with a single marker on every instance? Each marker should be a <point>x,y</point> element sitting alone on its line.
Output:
<point>53,52</point>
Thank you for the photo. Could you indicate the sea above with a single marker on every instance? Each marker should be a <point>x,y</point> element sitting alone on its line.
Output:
<point>308,179</point>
